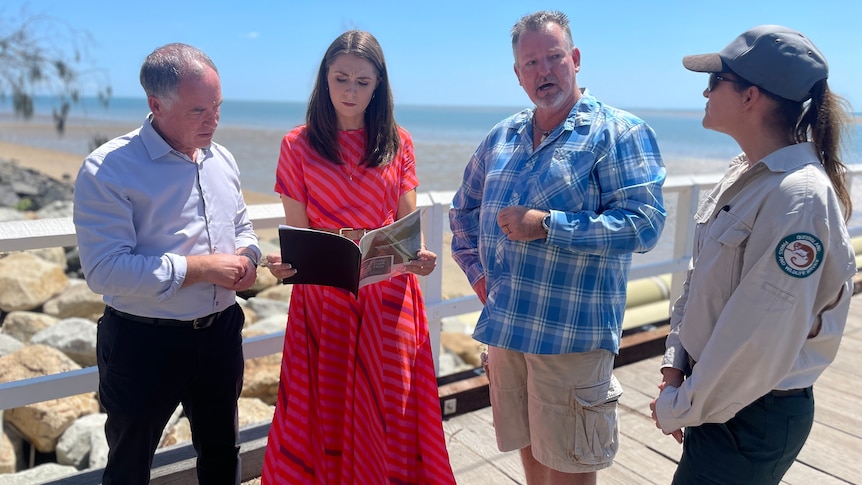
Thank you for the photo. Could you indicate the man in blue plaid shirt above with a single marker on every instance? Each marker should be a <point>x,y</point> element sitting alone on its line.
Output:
<point>553,203</point>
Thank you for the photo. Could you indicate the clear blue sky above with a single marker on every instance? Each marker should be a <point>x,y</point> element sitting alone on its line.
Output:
<point>448,52</point>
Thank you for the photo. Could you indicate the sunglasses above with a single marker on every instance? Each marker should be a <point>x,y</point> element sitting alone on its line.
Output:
<point>715,78</point>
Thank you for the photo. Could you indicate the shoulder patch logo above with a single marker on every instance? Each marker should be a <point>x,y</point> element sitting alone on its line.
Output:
<point>799,255</point>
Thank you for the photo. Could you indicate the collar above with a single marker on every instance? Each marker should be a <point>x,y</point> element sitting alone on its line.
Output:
<point>785,159</point>
<point>157,147</point>
<point>581,114</point>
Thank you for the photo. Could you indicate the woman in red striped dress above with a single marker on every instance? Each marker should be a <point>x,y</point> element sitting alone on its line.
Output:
<point>357,401</point>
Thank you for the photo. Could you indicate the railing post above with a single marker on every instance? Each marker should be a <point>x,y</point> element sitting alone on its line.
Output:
<point>432,285</point>
<point>47,233</point>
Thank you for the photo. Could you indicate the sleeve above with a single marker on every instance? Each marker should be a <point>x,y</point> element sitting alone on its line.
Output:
<point>630,176</point>
<point>464,217</point>
<point>760,331</point>
<point>289,173</point>
<point>675,355</point>
<point>245,237</point>
<point>409,180</point>
<point>106,237</point>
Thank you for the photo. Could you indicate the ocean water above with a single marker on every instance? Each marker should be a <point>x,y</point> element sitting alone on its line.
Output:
<point>445,136</point>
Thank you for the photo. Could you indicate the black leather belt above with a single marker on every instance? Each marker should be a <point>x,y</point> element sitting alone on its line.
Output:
<point>774,392</point>
<point>197,323</point>
<point>788,392</point>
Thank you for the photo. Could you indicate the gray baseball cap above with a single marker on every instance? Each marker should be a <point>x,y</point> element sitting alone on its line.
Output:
<point>775,58</point>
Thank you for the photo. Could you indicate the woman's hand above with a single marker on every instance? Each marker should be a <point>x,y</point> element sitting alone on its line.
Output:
<point>670,378</point>
<point>280,270</point>
<point>425,264</point>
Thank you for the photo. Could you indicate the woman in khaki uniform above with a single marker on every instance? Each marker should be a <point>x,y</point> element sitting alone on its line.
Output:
<point>768,288</point>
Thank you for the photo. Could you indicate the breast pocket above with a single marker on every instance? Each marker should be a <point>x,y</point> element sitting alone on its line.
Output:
<point>721,256</point>
<point>565,181</point>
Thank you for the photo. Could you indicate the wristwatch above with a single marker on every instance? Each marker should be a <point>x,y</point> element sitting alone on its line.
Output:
<point>546,223</point>
<point>251,256</point>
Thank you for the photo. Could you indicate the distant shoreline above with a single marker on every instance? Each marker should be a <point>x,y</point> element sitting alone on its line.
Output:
<point>63,166</point>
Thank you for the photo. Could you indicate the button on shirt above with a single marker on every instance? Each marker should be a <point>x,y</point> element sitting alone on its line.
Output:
<point>142,207</point>
<point>767,294</point>
<point>600,176</point>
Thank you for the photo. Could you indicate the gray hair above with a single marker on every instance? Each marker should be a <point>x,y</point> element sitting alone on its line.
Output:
<point>536,22</point>
<point>167,66</point>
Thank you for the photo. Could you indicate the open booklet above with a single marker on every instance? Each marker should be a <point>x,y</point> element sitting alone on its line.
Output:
<point>324,258</point>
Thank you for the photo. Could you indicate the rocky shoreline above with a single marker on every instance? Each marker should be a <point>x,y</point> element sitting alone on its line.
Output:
<point>48,321</point>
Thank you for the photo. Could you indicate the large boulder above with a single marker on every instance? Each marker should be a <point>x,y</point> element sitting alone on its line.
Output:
<point>44,473</point>
<point>266,307</point>
<point>28,281</point>
<point>51,255</point>
<point>181,432</point>
<point>261,378</point>
<point>8,460</point>
<point>16,441</point>
<point>75,337</point>
<point>73,447</point>
<point>98,449</point>
<point>465,346</point>
<point>277,292</point>
<point>254,411</point>
<point>23,187</point>
<point>7,214</point>
<point>77,300</point>
<point>42,423</point>
<point>55,209</point>
<point>23,325</point>
<point>9,344</point>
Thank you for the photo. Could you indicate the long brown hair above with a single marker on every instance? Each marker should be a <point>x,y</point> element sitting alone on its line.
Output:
<point>381,132</point>
<point>822,120</point>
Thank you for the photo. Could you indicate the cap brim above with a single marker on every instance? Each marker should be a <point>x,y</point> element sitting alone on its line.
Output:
<point>703,63</point>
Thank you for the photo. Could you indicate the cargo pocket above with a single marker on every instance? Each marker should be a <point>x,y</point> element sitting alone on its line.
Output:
<point>596,438</point>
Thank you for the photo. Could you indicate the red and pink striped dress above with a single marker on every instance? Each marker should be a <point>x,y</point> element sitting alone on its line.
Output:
<point>357,401</point>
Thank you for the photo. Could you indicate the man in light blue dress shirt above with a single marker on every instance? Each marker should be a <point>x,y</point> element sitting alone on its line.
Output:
<point>553,203</point>
<point>164,235</point>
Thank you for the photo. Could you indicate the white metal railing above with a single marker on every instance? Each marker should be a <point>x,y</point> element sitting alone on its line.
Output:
<point>46,233</point>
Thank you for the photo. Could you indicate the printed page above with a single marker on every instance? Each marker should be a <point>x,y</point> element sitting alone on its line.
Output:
<point>385,251</point>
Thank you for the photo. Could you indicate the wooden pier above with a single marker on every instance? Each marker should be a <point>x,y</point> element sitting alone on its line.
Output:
<point>832,454</point>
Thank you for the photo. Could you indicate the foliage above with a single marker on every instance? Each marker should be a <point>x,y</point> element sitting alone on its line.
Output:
<point>24,204</point>
<point>97,140</point>
<point>44,55</point>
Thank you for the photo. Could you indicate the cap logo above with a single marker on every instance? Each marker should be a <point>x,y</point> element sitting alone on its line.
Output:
<point>799,255</point>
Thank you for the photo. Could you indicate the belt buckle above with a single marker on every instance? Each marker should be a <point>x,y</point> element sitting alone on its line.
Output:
<point>204,322</point>
<point>351,233</point>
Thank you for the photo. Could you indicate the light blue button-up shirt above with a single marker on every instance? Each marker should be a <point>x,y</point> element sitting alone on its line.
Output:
<point>141,207</point>
<point>599,174</point>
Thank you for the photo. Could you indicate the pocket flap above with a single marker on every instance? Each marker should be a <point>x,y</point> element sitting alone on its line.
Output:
<point>601,393</point>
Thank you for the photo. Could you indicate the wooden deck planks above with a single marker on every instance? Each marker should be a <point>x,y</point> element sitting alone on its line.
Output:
<point>832,454</point>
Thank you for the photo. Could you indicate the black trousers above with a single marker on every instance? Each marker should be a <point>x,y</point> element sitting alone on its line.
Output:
<point>146,370</point>
<point>757,446</point>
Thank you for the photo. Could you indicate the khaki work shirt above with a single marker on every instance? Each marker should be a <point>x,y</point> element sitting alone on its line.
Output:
<point>767,292</point>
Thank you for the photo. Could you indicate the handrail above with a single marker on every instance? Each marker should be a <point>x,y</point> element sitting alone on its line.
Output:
<point>47,233</point>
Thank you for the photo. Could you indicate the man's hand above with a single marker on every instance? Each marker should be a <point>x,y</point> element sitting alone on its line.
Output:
<point>232,271</point>
<point>520,223</point>
<point>481,290</point>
